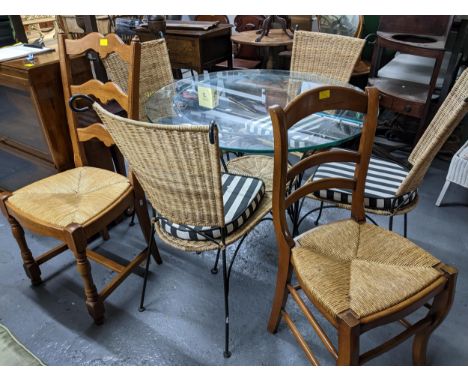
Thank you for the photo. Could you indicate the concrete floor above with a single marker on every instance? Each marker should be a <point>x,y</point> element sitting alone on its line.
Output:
<point>183,323</point>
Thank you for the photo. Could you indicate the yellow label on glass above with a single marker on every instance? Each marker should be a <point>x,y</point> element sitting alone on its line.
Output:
<point>103,41</point>
<point>208,97</point>
<point>324,94</point>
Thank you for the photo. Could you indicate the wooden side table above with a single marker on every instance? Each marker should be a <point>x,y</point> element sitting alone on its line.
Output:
<point>199,49</point>
<point>276,38</point>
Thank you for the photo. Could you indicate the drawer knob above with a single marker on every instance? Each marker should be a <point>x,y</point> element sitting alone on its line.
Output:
<point>407,108</point>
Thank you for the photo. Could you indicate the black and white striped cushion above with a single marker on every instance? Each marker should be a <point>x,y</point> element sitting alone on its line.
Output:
<point>382,182</point>
<point>241,197</point>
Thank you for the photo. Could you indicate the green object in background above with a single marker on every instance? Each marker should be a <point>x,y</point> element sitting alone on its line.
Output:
<point>371,23</point>
<point>13,353</point>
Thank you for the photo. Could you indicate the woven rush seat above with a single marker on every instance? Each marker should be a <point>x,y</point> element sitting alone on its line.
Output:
<point>241,197</point>
<point>75,196</point>
<point>382,183</point>
<point>368,269</point>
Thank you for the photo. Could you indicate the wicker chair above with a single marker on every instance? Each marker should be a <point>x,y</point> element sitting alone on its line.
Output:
<point>196,207</point>
<point>75,205</point>
<point>332,56</point>
<point>155,71</point>
<point>329,55</point>
<point>369,276</point>
<point>392,189</point>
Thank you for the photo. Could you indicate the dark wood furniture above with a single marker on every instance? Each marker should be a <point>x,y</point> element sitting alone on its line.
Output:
<point>34,138</point>
<point>76,205</point>
<point>418,35</point>
<point>346,268</point>
<point>275,38</point>
<point>199,49</point>
<point>245,56</point>
<point>283,21</point>
<point>223,19</point>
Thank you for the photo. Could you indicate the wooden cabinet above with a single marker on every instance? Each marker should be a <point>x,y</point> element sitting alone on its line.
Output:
<point>34,137</point>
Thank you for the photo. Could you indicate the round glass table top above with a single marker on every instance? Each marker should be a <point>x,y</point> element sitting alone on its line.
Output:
<point>238,101</point>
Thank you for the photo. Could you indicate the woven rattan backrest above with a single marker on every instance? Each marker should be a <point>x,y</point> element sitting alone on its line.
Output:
<point>333,56</point>
<point>177,166</point>
<point>155,71</point>
<point>447,118</point>
<point>321,99</point>
<point>104,92</point>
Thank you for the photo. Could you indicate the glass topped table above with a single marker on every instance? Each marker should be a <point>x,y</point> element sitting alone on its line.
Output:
<point>238,101</point>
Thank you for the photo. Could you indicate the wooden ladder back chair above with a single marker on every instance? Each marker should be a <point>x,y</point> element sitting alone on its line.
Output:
<point>359,276</point>
<point>76,205</point>
<point>197,208</point>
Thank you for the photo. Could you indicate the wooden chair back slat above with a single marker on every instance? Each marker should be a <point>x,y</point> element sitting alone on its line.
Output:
<point>318,185</point>
<point>326,98</point>
<point>320,158</point>
<point>103,45</point>
<point>96,130</point>
<point>103,92</point>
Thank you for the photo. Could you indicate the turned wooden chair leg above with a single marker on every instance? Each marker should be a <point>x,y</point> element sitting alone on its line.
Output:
<point>439,310</point>
<point>279,300</point>
<point>348,339</point>
<point>29,264</point>
<point>77,243</point>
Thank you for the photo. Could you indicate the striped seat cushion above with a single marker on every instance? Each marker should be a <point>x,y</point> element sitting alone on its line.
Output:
<point>382,182</point>
<point>241,197</point>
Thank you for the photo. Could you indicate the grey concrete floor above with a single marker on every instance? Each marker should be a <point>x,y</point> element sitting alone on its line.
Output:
<point>183,323</point>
